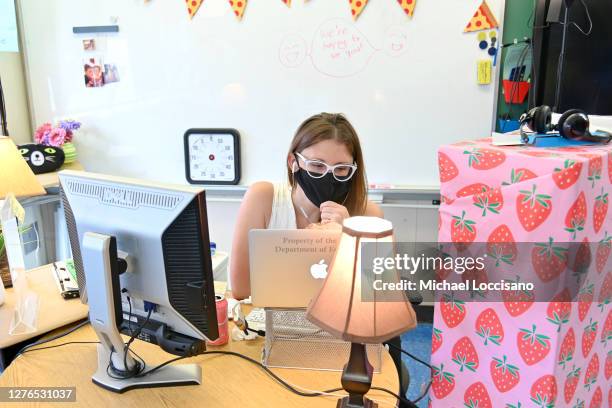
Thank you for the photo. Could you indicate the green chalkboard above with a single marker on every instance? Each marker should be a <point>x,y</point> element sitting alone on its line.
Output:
<point>518,24</point>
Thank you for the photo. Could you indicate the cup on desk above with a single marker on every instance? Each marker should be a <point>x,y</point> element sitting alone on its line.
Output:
<point>221,303</point>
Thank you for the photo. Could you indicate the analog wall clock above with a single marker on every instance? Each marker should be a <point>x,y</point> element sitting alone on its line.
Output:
<point>212,156</point>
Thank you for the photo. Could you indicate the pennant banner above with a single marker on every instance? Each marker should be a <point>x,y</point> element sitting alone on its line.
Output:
<point>407,6</point>
<point>193,6</point>
<point>483,19</point>
<point>357,7</point>
<point>238,6</point>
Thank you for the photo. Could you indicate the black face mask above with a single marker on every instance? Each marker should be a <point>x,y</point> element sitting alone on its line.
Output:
<point>320,190</point>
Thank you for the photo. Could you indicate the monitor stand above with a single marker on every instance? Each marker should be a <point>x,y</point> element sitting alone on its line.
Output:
<point>169,376</point>
<point>105,315</point>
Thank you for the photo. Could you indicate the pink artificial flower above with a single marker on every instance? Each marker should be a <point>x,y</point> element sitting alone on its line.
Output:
<point>68,136</point>
<point>42,132</point>
<point>57,137</point>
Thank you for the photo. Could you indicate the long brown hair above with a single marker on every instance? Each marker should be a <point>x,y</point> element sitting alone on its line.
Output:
<point>335,126</point>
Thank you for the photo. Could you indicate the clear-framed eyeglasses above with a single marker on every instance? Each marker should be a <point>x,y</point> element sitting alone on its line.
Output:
<point>318,169</point>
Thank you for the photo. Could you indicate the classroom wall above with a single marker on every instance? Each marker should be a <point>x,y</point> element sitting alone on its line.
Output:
<point>222,214</point>
<point>14,86</point>
<point>412,219</point>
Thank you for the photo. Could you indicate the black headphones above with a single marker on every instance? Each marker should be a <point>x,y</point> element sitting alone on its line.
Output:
<point>573,125</point>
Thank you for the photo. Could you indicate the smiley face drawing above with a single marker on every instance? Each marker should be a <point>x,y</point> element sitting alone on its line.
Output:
<point>396,41</point>
<point>293,50</point>
<point>339,49</point>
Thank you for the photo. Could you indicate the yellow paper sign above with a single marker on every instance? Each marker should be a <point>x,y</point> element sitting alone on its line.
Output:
<point>484,72</point>
<point>16,208</point>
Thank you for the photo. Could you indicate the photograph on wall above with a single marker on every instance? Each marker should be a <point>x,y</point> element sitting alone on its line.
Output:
<point>89,44</point>
<point>93,72</point>
<point>111,73</point>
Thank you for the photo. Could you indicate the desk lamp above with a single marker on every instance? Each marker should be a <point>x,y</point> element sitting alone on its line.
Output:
<point>16,180</point>
<point>339,308</point>
<point>15,175</point>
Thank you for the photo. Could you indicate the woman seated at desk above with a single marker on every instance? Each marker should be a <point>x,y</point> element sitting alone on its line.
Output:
<point>327,183</point>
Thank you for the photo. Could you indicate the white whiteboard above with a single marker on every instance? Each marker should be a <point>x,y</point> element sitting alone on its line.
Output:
<point>409,85</point>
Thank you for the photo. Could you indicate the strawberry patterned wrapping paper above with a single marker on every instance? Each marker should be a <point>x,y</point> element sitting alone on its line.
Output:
<point>519,352</point>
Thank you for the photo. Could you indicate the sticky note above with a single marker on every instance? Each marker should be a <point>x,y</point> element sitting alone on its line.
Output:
<point>484,72</point>
<point>11,208</point>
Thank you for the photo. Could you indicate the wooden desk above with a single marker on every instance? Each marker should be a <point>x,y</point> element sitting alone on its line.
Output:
<point>227,381</point>
<point>52,179</point>
<point>53,310</point>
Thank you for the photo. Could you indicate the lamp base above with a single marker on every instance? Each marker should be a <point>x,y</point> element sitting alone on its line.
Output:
<point>364,403</point>
<point>357,379</point>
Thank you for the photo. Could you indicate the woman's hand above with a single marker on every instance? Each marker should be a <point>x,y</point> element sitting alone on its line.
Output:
<point>327,226</point>
<point>333,212</point>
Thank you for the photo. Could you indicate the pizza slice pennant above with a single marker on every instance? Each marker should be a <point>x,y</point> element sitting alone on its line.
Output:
<point>287,2</point>
<point>407,6</point>
<point>483,19</point>
<point>357,7</point>
<point>193,6</point>
<point>238,6</point>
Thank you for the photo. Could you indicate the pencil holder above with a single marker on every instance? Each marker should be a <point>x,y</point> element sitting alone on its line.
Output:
<point>515,91</point>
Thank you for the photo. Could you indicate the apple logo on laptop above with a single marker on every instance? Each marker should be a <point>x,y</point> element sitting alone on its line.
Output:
<point>319,270</point>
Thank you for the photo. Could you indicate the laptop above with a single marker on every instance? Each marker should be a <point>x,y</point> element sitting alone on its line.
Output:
<point>288,267</point>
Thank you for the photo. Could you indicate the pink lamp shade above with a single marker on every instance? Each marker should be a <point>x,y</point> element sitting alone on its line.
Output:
<point>338,308</point>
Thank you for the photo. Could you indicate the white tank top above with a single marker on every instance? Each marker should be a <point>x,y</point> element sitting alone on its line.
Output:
<point>283,213</point>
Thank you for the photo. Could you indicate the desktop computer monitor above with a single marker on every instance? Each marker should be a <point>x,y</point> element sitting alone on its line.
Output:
<point>141,251</point>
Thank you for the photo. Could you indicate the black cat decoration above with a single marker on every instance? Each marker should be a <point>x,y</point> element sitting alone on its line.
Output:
<point>42,158</point>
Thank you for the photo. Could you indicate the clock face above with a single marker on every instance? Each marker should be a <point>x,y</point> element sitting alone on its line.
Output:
<point>211,157</point>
